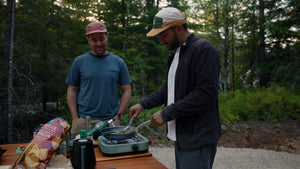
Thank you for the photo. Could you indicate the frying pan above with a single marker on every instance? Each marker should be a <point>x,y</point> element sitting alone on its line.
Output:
<point>117,133</point>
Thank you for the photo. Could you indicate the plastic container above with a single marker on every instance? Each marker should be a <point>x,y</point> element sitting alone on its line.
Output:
<point>67,140</point>
<point>63,148</point>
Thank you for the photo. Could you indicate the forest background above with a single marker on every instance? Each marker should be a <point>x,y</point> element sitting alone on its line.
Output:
<point>258,43</point>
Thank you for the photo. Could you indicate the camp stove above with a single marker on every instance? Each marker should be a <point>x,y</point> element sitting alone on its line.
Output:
<point>135,144</point>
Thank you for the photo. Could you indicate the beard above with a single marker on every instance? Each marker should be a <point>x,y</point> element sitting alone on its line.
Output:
<point>174,44</point>
<point>99,51</point>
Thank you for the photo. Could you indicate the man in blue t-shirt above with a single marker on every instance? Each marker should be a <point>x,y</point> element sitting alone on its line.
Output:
<point>93,82</point>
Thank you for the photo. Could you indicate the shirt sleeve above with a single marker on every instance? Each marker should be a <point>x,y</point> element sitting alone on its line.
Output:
<point>125,76</point>
<point>73,77</point>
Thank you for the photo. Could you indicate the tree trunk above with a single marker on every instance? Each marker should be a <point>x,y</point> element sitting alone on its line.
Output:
<point>261,47</point>
<point>125,7</point>
<point>232,59</point>
<point>217,21</point>
<point>9,48</point>
<point>253,43</point>
<point>226,45</point>
<point>218,38</point>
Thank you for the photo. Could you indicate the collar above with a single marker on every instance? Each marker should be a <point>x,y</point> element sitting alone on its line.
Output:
<point>99,56</point>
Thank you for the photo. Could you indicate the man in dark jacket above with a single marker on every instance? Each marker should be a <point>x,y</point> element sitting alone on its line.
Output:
<point>190,93</point>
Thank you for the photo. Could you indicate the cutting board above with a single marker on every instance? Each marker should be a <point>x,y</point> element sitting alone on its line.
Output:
<point>100,157</point>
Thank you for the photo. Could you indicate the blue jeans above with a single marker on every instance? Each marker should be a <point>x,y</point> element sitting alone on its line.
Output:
<point>201,158</point>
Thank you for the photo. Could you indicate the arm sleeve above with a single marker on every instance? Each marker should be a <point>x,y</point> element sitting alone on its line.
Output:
<point>156,99</point>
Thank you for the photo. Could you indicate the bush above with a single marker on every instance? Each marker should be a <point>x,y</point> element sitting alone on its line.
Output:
<point>274,103</point>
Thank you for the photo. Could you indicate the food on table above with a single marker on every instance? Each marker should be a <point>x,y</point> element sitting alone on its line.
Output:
<point>44,145</point>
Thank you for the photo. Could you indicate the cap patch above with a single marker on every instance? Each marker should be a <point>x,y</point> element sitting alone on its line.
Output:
<point>158,21</point>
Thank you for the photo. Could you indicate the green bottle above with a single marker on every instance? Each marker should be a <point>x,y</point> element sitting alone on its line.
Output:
<point>83,133</point>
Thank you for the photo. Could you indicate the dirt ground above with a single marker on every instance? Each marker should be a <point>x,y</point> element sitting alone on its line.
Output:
<point>263,135</point>
<point>257,135</point>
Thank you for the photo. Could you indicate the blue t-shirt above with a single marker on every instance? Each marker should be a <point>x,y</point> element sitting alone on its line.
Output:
<point>98,79</point>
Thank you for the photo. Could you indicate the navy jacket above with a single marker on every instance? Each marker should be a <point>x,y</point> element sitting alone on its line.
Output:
<point>196,95</point>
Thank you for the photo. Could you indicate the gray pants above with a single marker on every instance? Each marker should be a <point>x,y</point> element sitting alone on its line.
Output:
<point>201,158</point>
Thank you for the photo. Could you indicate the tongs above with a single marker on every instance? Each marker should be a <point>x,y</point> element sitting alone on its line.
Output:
<point>129,124</point>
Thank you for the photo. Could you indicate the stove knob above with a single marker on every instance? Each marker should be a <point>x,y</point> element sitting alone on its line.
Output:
<point>135,147</point>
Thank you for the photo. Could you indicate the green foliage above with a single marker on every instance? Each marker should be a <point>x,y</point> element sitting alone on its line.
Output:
<point>263,39</point>
<point>274,103</point>
<point>223,128</point>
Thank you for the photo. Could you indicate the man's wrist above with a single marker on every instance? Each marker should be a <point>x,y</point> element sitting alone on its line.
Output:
<point>141,105</point>
<point>119,115</point>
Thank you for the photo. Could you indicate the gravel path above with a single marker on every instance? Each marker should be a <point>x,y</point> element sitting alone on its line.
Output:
<point>236,158</point>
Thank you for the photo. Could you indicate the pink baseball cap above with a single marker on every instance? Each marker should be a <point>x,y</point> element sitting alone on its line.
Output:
<point>95,27</point>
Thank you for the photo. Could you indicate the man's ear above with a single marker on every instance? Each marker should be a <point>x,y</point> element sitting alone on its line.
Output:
<point>179,28</point>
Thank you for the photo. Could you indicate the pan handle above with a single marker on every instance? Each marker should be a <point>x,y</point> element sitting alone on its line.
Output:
<point>142,125</point>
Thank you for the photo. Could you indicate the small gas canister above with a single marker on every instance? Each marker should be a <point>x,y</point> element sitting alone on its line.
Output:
<point>95,130</point>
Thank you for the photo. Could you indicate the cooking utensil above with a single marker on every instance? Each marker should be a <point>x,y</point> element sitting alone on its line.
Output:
<point>128,126</point>
<point>117,133</point>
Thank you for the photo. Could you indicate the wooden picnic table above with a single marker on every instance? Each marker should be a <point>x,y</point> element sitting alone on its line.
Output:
<point>133,161</point>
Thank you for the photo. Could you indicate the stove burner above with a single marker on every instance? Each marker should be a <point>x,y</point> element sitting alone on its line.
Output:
<point>135,144</point>
<point>133,139</point>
